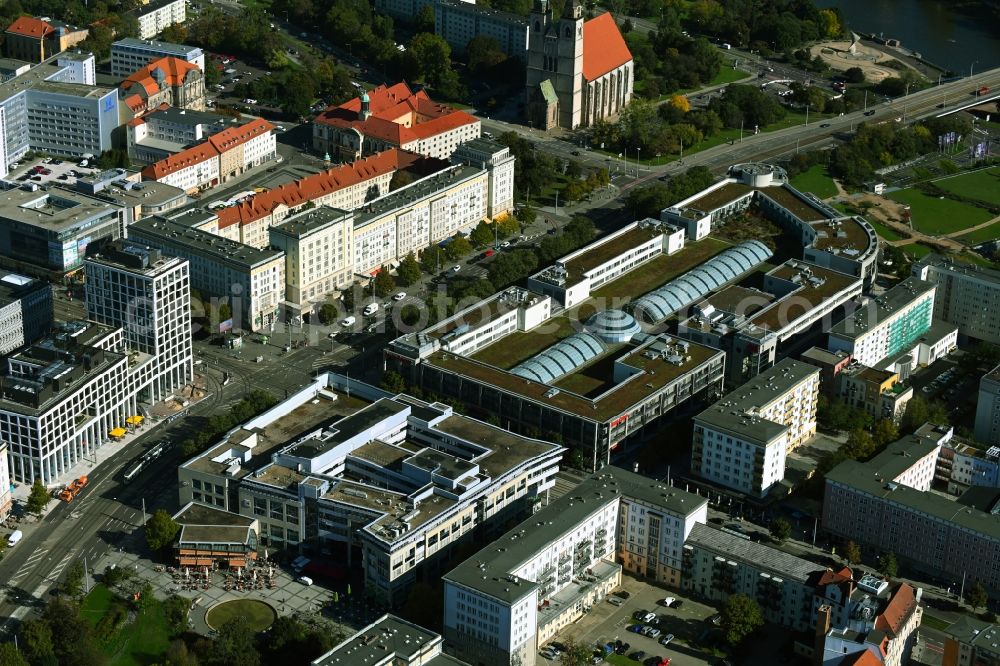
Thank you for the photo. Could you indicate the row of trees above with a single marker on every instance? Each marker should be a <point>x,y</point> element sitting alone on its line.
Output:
<point>650,200</point>
<point>254,403</point>
<point>668,60</point>
<point>766,26</point>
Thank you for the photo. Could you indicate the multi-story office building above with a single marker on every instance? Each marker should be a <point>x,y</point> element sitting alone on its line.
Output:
<point>501,604</point>
<point>55,108</point>
<point>971,642</point>
<point>392,117</point>
<point>250,280</point>
<point>886,325</point>
<point>879,393</point>
<point>137,199</point>
<point>166,131</point>
<point>396,483</point>
<point>148,295</point>
<point>129,54</point>
<point>25,310</point>
<point>168,80</point>
<point>156,15</point>
<point>390,641</point>
<point>458,22</point>
<point>318,255</point>
<point>968,295</point>
<point>884,502</point>
<point>988,408</point>
<point>46,232</point>
<point>36,40</point>
<point>741,441</point>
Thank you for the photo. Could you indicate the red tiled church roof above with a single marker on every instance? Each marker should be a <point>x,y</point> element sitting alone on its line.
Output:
<point>29,26</point>
<point>604,48</point>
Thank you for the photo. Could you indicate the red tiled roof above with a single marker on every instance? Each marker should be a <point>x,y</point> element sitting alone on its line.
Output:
<point>135,102</point>
<point>312,187</point>
<point>168,165</point>
<point>898,609</point>
<point>174,72</point>
<point>29,26</point>
<point>427,118</point>
<point>863,658</point>
<point>135,122</point>
<point>830,576</point>
<point>231,137</point>
<point>604,48</point>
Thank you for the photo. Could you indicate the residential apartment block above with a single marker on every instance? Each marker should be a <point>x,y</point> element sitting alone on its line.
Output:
<point>250,280</point>
<point>886,325</point>
<point>129,54</point>
<point>967,296</point>
<point>503,603</point>
<point>988,408</point>
<point>496,160</point>
<point>879,393</point>
<point>148,296</point>
<point>884,502</point>
<point>391,486</point>
<point>390,641</point>
<point>25,311</point>
<point>166,130</point>
<point>458,22</point>
<point>156,15</point>
<point>971,642</point>
<point>392,117</point>
<point>963,465</point>
<point>741,441</point>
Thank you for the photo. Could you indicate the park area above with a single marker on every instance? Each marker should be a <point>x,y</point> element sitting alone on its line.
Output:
<point>815,180</point>
<point>983,185</point>
<point>940,216</point>
<point>128,636</point>
<point>259,615</point>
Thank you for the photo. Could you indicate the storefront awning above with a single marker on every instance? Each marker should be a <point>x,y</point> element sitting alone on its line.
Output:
<point>134,420</point>
<point>237,564</point>
<point>118,432</point>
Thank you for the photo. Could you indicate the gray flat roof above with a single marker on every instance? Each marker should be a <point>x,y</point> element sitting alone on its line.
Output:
<point>147,193</point>
<point>52,208</point>
<point>407,196</point>
<point>487,570</point>
<point>309,221</point>
<point>172,233</point>
<point>172,114</point>
<point>736,411</point>
<point>973,631</point>
<point>379,643</point>
<point>765,558</point>
<point>119,254</point>
<point>160,47</point>
<point>14,285</point>
<point>866,317</point>
<point>958,266</point>
<point>73,89</point>
<point>347,427</point>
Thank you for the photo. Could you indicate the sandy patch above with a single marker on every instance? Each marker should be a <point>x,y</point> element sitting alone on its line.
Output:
<point>871,61</point>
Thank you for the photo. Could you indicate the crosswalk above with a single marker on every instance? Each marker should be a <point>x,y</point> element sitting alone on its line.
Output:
<point>58,568</point>
<point>28,565</point>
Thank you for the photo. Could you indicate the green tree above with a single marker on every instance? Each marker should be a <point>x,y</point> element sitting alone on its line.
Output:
<point>919,411</point>
<point>11,656</point>
<point>885,432</point>
<point>976,596</point>
<point>328,314</point>
<point>36,641</point>
<point>39,497</point>
<point>482,235</point>
<point>859,445</point>
<point>781,529</point>
<point>384,283</point>
<point>458,247</point>
<point>852,553</point>
<point>424,20</point>
<point>854,75</point>
<point>432,259</point>
<point>741,617</point>
<point>225,312</point>
<point>508,226</point>
<point>888,566</point>
<point>576,654</point>
<point>73,579</point>
<point>408,271</point>
<point>72,636</point>
<point>483,53</point>
<point>234,645</point>
<point>392,382</point>
<point>161,530</point>
<point>176,609</point>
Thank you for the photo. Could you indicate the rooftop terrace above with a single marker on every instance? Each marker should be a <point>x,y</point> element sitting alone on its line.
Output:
<point>602,252</point>
<point>795,204</point>
<point>717,198</point>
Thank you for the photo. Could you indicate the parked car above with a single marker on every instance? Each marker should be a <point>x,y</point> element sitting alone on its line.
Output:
<point>635,628</point>
<point>669,601</point>
<point>638,655</point>
<point>399,296</point>
<point>666,639</point>
<point>623,648</point>
<point>621,593</point>
<point>616,601</point>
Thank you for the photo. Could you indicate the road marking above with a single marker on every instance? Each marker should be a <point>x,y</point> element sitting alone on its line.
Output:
<point>58,568</point>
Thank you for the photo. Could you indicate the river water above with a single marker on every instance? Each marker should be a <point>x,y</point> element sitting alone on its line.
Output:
<point>951,40</point>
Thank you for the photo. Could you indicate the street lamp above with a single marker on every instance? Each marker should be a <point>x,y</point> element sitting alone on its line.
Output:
<point>638,150</point>
<point>971,65</point>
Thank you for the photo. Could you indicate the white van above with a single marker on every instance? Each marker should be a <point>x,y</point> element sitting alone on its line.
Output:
<point>305,580</point>
<point>371,309</point>
<point>727,46</point>
<point>14,537</point>
<point>348,321</point>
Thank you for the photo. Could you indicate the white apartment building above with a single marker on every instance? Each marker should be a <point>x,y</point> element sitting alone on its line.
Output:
<point>496,159</point>
<point>148,295</point>
<point>572,279</point>
<point>191,170</point>
<point>250,280</point>
<point>504,602</point>
<point>158,14</point>
<point>886,325</point>
<point>25,310</point>
<point>424,212</point>
<point>6,497</point>
<point>968,296</point>
<point>387,641</point>
<point>741,441</point>
<point>987,427</point>
<point>392,486</point>
<point>318,255</point>
<point>882,626</point>
<point>129,55</point>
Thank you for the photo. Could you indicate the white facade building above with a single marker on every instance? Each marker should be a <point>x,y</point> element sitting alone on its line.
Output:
<point>6,497</point>
<point>496,159</point>
<point>968,296</point>
<point>25,310</point>
<point>129,55</point>
<point>159,14</point>
<point>741,441</point>
<point>988,408</point>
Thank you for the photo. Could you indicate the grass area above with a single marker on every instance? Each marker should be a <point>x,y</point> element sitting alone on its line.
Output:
<point>259,614</point>
<point>140,643</point>
<point>620,660</point>
<point>984,185</point>
<point>521,345</point>
<point>884,231</point>
<point>917,250</point>
<point>989,233</point>
<point>939,216</point>
<point>659,271</point>
<point>973,258</point>
<point>257,4</point>
<point>816,180</point>
<point>935,622</point>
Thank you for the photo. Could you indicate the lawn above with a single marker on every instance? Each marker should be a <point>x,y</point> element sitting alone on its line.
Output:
<point>657,272</point>
<point>917,250</point>
<point>935,622</point>
<point>989,233</point>
<point>520,345</point>
<point>259,615</point>
<point>939,216</point>
<point>817,181</point>
<point>884,231</point>
<point>142,642</point>
<point>984,185</point>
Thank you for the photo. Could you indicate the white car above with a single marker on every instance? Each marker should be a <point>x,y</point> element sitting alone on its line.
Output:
<point>249,100</point>
<point>456,268</point>
<point>400,296</point>
<point>668,602</point>
<point>666,639</point>
<point>505,244</point>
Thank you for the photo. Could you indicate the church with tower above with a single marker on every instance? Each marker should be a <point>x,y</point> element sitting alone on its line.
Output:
<point>579,71</point>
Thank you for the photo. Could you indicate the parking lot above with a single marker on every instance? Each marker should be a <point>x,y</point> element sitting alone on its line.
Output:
<point>607,622</point>
<point>60,172</point>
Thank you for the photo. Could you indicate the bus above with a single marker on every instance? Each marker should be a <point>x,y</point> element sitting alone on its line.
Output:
<point>134,470</point>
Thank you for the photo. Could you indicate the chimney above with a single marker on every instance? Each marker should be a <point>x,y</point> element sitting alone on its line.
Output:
<point>822,629</point>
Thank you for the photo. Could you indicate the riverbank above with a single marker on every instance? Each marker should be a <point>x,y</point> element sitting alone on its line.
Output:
<point>906,56</point>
